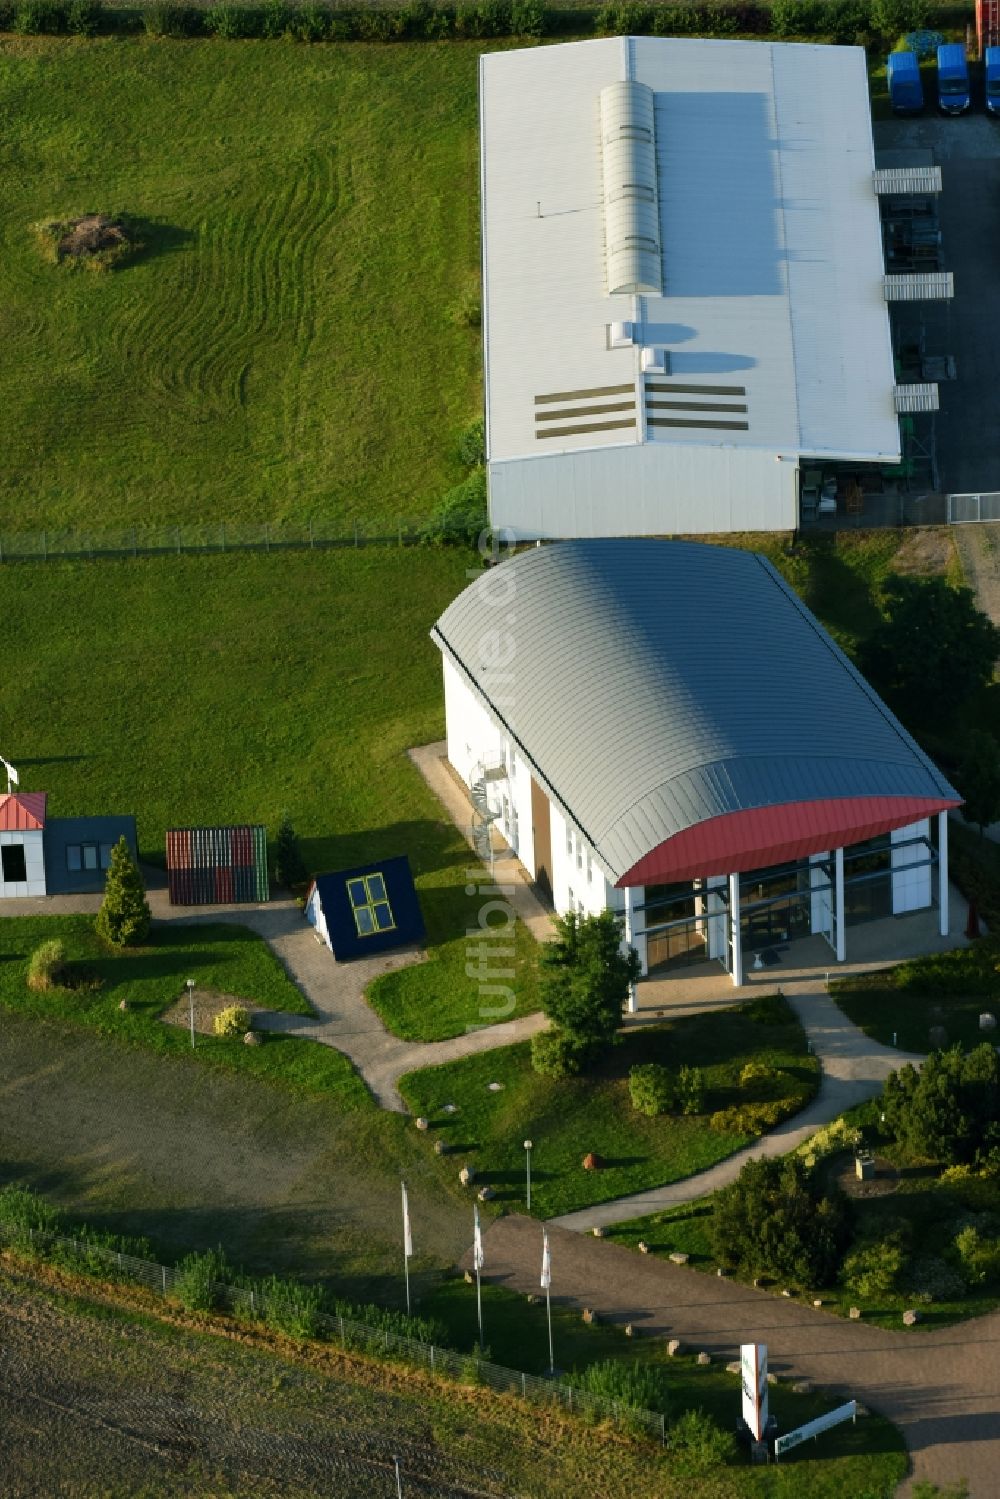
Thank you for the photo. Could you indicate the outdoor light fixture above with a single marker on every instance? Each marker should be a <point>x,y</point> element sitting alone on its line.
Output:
<point>190,990</point>
<point>527,1159</point>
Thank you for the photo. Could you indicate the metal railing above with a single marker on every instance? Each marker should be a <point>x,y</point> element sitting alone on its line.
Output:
<point>355,1336</point>
<point>158,541</point>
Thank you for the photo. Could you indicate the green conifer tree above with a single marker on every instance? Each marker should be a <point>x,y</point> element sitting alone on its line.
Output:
<point>289,867</point>
<point>123,920</point>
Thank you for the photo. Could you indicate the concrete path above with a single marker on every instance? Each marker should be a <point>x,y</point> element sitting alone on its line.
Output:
<point>341,1016</point>
<point>853,1069</point>
<point>941,1388</point>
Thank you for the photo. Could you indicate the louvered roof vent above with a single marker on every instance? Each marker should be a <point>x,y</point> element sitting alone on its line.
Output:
<point>631,206</point>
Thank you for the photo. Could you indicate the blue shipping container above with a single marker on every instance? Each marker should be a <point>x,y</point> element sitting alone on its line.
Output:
<point>906,92</point>
<point>953,79</point>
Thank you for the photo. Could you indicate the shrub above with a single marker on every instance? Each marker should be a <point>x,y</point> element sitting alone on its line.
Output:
<point>555,1053</point>
<point>874,1270</point>
<point>47,965</point>
<point>638,1386</point>
<point>930,1278</point>
<point>775,1217</point>
<point>124,917</point>
<point>169,18</point>
<point>690,1090</point>
<point>23,1214</point>
<point>978,1256</point>
<point>292,1308</point>
<point>274,18</point>
<point>677,20</point>
<point>462,515</point>
<point>528,18</point>
<point>623,18</point>
<point>651,1089</point>
<point>698,1445</point>
<point>386,1319</point>
<point>289,866</point>
<point>231,22</point>
<point>472,443</point>
<point>748,1118</point>
<point>309,23</point>
<point>234,1020</point>
<point>83,17</point>
<point>197,1281</point>
<point>758,1079</point>
<point>948,1111</point>
<point>586,978</point>
<point>40,17</point>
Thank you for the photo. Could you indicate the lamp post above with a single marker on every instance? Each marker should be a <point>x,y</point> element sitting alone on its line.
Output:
<point>527,1161</point>
<point>190,989</point>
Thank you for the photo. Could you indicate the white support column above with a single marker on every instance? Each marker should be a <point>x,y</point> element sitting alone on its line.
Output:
<point>633,1000</point>
<point>734,930</point>
<point>943,902</point>
<point>839,905</point>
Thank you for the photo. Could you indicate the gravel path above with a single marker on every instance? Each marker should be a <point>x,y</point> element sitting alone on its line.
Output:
<point>853,1069</point>
<point>941,1388</point>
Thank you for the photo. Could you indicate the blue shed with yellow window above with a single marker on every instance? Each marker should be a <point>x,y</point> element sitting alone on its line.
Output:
<point>366,910</point>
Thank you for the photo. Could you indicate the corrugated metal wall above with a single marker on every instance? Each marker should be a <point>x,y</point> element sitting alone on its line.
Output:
<point>216,866</point>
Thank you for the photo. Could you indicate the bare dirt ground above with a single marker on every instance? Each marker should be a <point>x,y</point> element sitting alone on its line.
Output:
<point>979,552</point>
<point>925,552</point>
<point>99,1405</point>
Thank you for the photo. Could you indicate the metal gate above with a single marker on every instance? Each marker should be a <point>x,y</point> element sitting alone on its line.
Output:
<point>972,507</point>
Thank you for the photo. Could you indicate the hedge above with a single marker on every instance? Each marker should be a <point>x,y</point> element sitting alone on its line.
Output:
<point>846,21</point>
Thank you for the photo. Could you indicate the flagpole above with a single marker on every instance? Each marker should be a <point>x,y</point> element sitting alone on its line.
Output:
<point>407,1245</point>
<point>477,1255</point>
<point>546,1279</point>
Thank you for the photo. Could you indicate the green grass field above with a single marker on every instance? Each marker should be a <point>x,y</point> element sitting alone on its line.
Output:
<point>224,689</point>
<point>287,345</point>
<point>570,1118</point>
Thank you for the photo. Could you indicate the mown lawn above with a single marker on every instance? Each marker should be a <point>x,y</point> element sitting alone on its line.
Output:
<point>291,342</point>
<point>229,959</point>
<point>944,993</point>
<point>569,1118</point>
<point>229,689</point>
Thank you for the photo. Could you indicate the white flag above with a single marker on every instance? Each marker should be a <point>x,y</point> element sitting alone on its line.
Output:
<point>477,1243</point>
<point>407,1236</point>
<point>546,1262</point>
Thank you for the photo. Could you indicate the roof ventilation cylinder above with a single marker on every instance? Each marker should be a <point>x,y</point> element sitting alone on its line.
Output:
<point>631,204</point>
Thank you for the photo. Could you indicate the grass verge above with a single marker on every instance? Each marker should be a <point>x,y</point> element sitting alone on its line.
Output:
<point>569,1118</point>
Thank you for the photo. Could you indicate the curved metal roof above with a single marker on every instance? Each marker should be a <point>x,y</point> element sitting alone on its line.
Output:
<point>656,687</point>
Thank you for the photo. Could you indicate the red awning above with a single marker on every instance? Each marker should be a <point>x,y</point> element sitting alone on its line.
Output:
<point>764,836</point>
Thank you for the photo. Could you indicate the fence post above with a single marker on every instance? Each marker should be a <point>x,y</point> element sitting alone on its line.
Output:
<point>432,1358</point>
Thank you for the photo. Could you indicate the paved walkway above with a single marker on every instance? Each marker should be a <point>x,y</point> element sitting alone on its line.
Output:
<point>341,1017</point>
<point>941,1388</point>
<point>853,1069</point>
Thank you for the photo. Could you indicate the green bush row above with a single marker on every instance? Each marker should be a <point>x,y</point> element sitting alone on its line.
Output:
<point>844,21</point>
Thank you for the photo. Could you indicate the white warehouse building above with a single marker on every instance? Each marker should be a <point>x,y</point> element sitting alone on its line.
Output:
<point>684,297</point>
<point>663,729</point>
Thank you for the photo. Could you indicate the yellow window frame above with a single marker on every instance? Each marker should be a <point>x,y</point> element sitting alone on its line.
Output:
<point>374,901</point>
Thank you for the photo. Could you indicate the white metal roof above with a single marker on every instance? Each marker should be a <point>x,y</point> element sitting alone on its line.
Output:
<point>773,312</point>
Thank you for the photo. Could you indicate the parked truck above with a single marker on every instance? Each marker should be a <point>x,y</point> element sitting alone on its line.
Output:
<point>953,79</point>
<point>991,68</point>
<point>906,92</point>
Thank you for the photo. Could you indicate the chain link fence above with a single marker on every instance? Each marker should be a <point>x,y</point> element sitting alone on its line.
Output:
<point>158,541</point>
<point>352,1336</point>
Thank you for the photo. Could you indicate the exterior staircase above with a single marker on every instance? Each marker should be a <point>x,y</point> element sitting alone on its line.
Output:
<point>483,815</point>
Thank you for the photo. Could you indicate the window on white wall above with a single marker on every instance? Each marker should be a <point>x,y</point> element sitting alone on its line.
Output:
<point>506,815</point>
<point>570,901</point>
<point>579,908</point>
<point>590,869</point>
<point>579,852</point>
<point>15,870</point>
<point>569,842</point>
